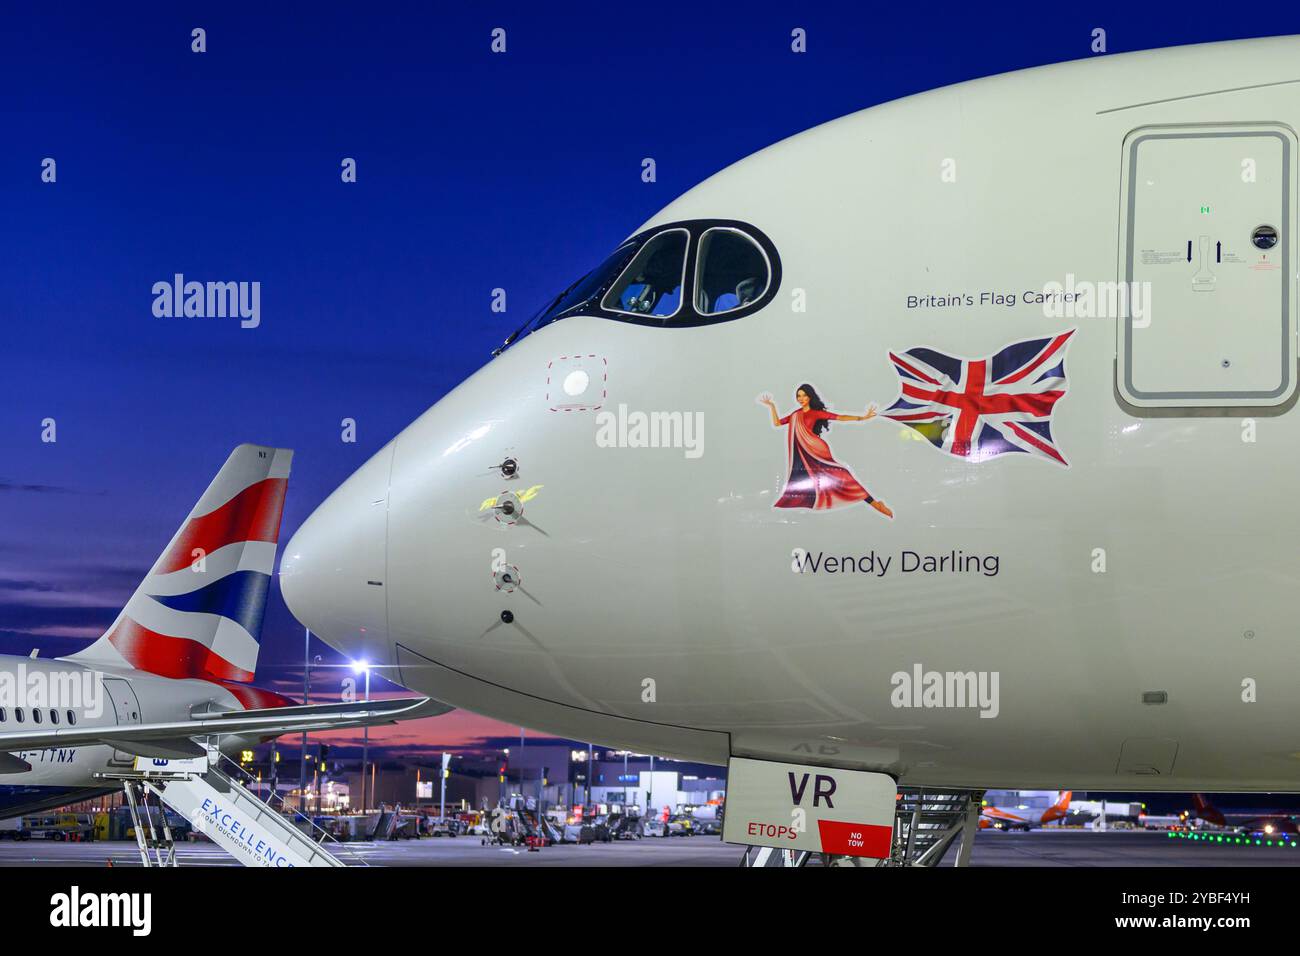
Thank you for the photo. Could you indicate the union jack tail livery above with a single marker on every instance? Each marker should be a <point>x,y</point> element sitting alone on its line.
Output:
<point>199,611</point>
<point>980,408</point>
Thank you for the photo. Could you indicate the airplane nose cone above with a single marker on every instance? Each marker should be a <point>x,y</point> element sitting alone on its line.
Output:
<point>333,574</point>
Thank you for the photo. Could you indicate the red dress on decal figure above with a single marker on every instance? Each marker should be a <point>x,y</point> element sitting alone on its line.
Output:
<point>816,479</point>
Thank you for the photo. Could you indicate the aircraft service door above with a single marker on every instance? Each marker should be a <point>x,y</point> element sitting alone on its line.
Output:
<point>1207,266</point>
<point>126,707</point>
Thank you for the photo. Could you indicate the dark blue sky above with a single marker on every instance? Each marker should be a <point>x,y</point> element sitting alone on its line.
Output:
<point>475,171</point>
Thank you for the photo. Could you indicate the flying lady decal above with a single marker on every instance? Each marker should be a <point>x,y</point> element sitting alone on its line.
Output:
<point>816,479</point>
<point>981,408</point>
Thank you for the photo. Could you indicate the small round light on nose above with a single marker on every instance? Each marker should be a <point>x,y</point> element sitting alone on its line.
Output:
<point>576,382</point>
<point>507,617</point>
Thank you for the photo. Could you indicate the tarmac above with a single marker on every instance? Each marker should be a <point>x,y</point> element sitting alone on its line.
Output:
<point>1039,848</point>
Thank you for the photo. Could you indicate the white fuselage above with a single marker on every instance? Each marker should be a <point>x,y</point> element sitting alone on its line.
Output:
<point>122,698</point>
<point>657,609</point>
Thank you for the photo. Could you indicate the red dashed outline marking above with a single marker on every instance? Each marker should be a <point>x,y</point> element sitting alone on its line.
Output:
<point>496,508</point>
<point>604,383</point>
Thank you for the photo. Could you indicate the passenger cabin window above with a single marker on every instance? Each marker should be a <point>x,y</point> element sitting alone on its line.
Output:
<point>18,714</point>
<point>731,271</point>
<point>36,715</point>
<point>3,716</point>
<point>72,719</point>
<point>54,716</point>
<point>651,285</point>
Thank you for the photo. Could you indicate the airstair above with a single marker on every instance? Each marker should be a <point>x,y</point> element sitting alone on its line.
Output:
<point>926,824</point>
<point>251,830</point>
<point>770,856</point>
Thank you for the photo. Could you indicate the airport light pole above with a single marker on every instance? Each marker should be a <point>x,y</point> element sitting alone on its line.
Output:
<point>442,779</point>
<point>365,749</point>
<point>586,802</point>
<point>306,693</point>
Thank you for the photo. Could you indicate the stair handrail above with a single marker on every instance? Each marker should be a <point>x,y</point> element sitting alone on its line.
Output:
<point>324,835</point>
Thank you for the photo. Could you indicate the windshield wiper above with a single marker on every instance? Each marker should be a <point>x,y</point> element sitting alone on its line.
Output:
<point>510,339</point>
<point>515,334</point>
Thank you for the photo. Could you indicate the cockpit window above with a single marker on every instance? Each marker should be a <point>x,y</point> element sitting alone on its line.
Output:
<point>677,274</point>
<point>730,271</point>
<point>651,285</point>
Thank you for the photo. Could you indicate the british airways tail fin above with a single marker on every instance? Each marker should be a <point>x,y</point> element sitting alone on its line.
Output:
<point>198,613</point>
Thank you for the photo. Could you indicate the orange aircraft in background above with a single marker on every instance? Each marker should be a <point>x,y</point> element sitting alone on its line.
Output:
<point>1001,818</point>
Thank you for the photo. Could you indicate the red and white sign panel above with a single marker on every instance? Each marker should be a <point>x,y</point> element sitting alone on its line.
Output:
<point>800,807</point>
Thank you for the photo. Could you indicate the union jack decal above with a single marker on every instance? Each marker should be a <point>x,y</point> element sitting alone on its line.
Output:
<point>981,408</point>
